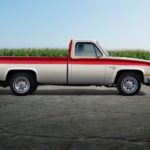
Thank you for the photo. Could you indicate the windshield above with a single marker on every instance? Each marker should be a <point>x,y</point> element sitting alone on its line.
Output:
<point>104,50</point>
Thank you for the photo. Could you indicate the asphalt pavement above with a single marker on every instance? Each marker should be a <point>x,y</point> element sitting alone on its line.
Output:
<point>75,118</point>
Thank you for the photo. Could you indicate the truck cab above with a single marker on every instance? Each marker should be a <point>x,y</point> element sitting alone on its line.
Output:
<point>84,67</point>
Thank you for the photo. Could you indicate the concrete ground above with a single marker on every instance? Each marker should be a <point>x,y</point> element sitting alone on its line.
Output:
<point>75,118</point>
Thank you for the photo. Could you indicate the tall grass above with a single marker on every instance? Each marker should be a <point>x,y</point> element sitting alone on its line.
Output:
<point>55,52</point>
<point>34,52</point>
<point>140,54</point>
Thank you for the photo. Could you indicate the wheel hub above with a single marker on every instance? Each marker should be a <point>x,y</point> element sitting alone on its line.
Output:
<point>129,84</point>
<point>21,85</point>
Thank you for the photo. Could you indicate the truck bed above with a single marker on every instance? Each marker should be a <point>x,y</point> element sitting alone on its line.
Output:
<point>49,70</point>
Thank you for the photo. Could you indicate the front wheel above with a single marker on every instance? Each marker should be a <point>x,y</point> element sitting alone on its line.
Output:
<point>22,84</point>
<point>129,84</point>
<point>34,88</point>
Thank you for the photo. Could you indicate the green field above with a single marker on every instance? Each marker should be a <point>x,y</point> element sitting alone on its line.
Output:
<point>140,54</point>
<point>54,52</point>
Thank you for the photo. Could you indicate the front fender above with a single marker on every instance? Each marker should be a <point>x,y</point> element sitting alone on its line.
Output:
<point>126,70</point>
<point>112,71</point>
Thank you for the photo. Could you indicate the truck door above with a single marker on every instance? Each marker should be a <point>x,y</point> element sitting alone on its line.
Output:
<point>85,67</point>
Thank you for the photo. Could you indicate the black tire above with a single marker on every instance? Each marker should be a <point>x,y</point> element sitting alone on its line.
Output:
<point>24,82</point>
<point>34,88</point>
<point>129,84</point>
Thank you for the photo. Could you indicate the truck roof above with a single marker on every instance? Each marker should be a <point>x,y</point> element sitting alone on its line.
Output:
<point>81,40</point>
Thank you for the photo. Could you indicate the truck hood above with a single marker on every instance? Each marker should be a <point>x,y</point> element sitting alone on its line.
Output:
<point>129,61</point>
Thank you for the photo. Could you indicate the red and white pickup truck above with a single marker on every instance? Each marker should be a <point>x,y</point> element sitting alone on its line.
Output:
<point>87,64</point>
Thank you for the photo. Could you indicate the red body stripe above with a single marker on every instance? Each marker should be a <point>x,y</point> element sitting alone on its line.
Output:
<point>109,61</point>
<point>86,61</point>
<point>32,60</point>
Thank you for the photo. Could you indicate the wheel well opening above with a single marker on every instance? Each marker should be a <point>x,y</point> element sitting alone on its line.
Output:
<point>137,72</point>
<point>13,72</point>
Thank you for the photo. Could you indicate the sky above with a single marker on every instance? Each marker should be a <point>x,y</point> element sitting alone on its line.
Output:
<point>116,24</point>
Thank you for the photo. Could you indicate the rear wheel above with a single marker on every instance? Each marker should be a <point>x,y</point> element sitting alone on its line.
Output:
<point>22,84</point>
<point>128,84</point>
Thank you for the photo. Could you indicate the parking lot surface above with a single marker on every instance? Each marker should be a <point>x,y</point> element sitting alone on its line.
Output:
<point>75,118</point>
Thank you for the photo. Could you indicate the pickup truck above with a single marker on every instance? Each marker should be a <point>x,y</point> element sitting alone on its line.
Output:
<point>87,64</point>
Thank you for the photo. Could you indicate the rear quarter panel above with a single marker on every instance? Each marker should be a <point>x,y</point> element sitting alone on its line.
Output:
<point>48,70</point>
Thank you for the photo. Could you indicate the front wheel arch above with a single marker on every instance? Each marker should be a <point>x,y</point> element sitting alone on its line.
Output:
<point>139,73</point>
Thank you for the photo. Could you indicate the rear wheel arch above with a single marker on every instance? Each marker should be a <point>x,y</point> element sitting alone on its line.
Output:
<point>24,77</point>
<point>13,72</point>
<point>22,84</point>
<point>10,73</point>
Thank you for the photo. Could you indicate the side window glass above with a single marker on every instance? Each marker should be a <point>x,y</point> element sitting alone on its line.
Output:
<point>87,50</point>
<point>98,53</point>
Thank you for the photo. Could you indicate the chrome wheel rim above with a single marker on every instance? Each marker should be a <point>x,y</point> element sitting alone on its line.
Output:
<point>21,85</point>
<point>129,85</point>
